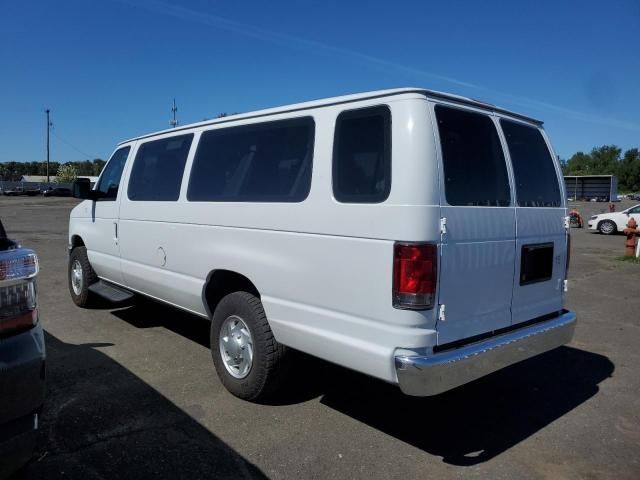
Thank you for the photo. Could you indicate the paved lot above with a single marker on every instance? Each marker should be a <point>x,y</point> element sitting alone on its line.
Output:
<point>132,393</point>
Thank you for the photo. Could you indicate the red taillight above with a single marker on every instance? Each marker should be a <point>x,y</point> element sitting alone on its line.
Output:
<point>18,269</point>
<point>18,323</point>
<point>414,275</point>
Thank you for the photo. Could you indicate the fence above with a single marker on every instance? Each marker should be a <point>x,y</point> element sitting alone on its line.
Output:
<point>6,185</point>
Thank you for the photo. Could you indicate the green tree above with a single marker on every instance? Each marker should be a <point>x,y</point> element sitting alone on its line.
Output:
<point>98,165</point>
<point>629,171</point>
<point>606,159</point>
<point>67,173</point>
<point>579,164</point>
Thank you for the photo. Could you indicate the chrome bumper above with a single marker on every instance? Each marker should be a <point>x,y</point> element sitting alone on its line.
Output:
<point>432,374</point>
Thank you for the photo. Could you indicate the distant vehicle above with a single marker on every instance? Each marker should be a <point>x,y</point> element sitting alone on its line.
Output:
<point>608,223</point>
<point>390,252</point>
<point>22,355</point>
<point>14,192</point>
<point>20,191</point>
<point>57,192</point>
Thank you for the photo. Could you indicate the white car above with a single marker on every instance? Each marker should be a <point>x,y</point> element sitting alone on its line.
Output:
<point>609,223</point>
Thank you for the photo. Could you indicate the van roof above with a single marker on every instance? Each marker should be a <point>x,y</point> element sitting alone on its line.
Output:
<point>339,100</point>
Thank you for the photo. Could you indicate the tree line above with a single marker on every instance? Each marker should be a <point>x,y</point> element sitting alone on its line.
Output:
<point>13,171</point>
<point>607,160</point>
<point>604,160</point>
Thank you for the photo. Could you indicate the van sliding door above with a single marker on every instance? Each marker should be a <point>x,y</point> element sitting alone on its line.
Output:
<point>541,244</point>
<point>478,238</point>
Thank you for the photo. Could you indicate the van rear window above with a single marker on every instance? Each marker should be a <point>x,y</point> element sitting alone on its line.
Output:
<point>535,174</point>
<point>475,171</point>
<point>158,169</point>
<point>265,162</point>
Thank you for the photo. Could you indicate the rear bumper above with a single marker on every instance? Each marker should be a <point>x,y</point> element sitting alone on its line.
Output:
<point>424,375</point>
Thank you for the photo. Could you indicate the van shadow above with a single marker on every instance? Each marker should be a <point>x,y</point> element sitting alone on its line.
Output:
<point>478,421</point>
<point>101,421</point>
<point>465,426</point>
<point>146,313</point>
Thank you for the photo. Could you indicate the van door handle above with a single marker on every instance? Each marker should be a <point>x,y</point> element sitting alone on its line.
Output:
<point>115,232</point>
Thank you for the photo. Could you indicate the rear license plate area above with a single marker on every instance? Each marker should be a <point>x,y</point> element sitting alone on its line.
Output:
<point>536,263</point>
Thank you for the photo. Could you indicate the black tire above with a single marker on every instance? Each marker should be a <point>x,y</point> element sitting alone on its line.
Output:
<point>270,359</point>
<point>82,297</point>
<point>607,227</point>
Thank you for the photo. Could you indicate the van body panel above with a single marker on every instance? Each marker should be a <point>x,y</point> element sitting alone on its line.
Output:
<point>539,226</point>
<point>321,313</point>
<point>99,229</point>
<point>476,273</point>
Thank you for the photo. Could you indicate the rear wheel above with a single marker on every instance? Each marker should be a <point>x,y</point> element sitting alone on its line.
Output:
<point>249,361</point>
<point>607,227</point>
<point>81,275</point>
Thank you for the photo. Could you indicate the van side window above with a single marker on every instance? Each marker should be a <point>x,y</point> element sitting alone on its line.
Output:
<point>535,174</point>
<point>110,178</point>
<point>475,171</point>
<point>265,162</point>
<point>362,156</point>
<point>158,168</point>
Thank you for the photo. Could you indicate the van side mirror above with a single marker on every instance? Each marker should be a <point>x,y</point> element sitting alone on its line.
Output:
<point>81,188</point>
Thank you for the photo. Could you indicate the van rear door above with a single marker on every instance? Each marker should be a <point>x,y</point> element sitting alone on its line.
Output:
<point>478,218</point>
<point>541,234</point>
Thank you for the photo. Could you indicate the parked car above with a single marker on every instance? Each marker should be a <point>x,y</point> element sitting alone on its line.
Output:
<point>58,192</point>
<point>20,191</point>
<point>22,355</point>
<point>613,222</point>
<point>376,231</point>
<point>14,192</point>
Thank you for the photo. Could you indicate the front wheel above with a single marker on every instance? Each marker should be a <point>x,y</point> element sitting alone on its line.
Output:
<point>607,227</point>
<point>250,362</point>
<point>81,275</point>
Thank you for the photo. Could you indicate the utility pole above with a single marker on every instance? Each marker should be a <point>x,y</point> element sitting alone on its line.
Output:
<point>174,109</point>
<point>48,131</point>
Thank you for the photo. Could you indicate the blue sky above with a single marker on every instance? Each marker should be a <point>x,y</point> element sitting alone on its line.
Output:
<point>108,69</point>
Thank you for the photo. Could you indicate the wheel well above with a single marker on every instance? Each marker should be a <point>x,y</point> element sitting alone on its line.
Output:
<point>223,282</point>
<point>76,241</point>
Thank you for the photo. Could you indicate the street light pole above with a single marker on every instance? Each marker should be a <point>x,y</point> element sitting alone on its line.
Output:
<point>48,128</point>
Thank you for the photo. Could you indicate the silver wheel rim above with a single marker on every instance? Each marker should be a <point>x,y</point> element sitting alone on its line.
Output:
<point>606,227</point>
<point>236,346</point>
<point>76,277</point>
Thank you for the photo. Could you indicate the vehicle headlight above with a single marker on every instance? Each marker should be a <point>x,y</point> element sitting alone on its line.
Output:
<point>594,217</point>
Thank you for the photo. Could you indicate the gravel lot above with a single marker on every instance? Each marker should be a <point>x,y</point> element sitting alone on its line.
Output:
<point>132,392</point>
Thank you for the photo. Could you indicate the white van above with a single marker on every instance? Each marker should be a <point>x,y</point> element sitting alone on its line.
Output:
<point>415,236</point>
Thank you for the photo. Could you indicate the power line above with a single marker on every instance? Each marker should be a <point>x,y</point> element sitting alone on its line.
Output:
<point>89,156</point>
